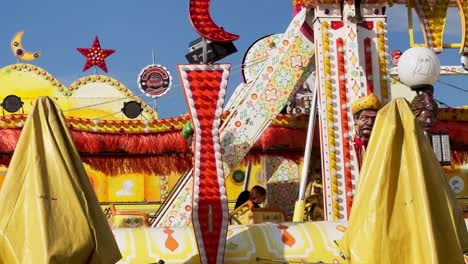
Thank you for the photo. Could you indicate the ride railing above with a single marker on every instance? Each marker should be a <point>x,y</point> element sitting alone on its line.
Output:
<point>248,214</point>
<point>127,219</point>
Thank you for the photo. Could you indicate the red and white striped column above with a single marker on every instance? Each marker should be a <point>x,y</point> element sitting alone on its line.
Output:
<point>205,89</point>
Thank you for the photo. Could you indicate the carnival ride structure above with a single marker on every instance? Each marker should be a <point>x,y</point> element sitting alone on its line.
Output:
<point>350,49</point>
<point>333,206</point>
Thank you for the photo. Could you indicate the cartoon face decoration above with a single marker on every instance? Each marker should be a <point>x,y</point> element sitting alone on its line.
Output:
<point>424,66</point>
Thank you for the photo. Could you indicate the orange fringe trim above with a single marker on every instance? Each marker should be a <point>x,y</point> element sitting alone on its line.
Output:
<point>160,165</point>
<point>274,138</point>
<point>459,158</point>
<point>114,164</point>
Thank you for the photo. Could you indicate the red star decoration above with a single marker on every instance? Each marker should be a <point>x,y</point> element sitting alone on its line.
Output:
<point>95,55</point>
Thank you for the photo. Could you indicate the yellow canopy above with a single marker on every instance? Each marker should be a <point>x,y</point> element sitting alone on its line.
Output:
<point>49,212</point>
<point>404,210</point>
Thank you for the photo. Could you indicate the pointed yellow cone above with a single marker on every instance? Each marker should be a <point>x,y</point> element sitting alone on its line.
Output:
<point>49,212</point>
<point>404,210</point>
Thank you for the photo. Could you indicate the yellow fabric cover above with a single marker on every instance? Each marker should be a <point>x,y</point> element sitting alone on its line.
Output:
<point>366,102</point>
<point>49,212</point>
<point>404,210</point>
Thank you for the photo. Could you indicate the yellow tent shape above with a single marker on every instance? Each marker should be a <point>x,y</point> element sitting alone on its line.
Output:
<point>49,212</point>
<point>404,210</point>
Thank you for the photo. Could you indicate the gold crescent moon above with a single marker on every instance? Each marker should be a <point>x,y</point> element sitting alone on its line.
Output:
<point>19,51</point>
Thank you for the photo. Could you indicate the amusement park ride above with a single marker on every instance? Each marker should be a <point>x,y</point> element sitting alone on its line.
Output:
<point>332,54</point>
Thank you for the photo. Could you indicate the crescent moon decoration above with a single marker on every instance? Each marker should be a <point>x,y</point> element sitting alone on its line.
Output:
<point>199,12</point>
<point>19,51</point>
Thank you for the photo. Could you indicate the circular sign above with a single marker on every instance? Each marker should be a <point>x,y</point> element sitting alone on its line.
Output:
<point>154,80</point>
<point>238,177</point>
<point>457,184</point>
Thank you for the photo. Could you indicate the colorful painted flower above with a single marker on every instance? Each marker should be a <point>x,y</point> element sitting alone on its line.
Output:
<point>352,45</point>
<point>229,152</point>
<point>283,78</point>
<point>269,53</point>
<point>270,95</point>
<point>296,61</point>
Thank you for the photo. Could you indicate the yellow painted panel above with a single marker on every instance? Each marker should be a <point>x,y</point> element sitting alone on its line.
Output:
<point>99,183</point>
<point>2,175</point>
<point>234,186</point>
<point>173,178</point>
<point>256,176</point>
<point>26,84</point>
<point>308,242</point>
<point>105,95</point>
<point>152,192</point>
<point>126,188</point>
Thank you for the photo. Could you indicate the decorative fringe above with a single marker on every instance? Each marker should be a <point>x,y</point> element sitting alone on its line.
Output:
<point>166,152</point>
<point>274,138</point>
<point>152,165</point>
<point>459,158</point>
<point>92,143</point>
<point>154,143</point>
<point>116,164</point>
<point>286,138</point>
<point>161,165</point>
<point>8,139</point>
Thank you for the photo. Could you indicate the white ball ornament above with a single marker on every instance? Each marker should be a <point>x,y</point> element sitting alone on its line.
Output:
<point>418,66</point>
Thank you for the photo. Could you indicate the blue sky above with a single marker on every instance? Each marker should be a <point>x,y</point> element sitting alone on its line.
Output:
<point>134,28</point>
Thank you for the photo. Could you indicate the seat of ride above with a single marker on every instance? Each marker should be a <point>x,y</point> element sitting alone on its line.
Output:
<point>248,214</point>
<point>314,203</point>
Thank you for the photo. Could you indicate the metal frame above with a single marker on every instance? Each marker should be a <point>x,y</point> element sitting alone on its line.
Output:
<point>409,8</point>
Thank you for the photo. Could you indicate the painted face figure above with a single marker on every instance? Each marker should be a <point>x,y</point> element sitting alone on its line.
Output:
<point>364,122</point>
<point>425,109</point>
<point>426,120</point>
